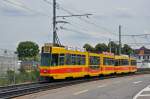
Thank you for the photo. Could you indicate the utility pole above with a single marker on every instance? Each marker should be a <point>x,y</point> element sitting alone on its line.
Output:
<point>54,22</point>
<point>109,45</point>
<point>119,39</point>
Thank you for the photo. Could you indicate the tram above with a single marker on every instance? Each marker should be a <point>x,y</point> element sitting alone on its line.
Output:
<point>63,63</point>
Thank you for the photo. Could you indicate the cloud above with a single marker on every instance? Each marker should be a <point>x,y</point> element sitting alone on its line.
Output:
<point>17,8</point>
<point>12,8</point>
<point>99,15</point>
<point>12,12</point>
<point>9,11</point>
<point>122,9</point>
<point>123,12</point>
<point>120,12</point>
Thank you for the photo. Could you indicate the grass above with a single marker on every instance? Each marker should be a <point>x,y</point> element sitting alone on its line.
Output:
<point>3,81</point>
<point>17,78</point>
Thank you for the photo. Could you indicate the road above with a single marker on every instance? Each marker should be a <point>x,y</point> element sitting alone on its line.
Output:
<point>129,87</point>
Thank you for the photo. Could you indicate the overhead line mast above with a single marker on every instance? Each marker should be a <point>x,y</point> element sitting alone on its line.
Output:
<point>119,39</point>
<point>54,22</point>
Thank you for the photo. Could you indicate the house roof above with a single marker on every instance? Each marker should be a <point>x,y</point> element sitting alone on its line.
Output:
<point>143,50</point>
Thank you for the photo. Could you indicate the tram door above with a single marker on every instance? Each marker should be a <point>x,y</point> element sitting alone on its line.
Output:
<point>94,65</point>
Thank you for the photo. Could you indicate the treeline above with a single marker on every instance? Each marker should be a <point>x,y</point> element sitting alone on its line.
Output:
<point>29,50</point>
<point>102,47</point>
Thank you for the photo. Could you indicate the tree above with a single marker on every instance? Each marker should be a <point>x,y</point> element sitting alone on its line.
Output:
<point>88,47</point>
<point>99,48</point>
<point>28,50</point>
<point>127,49</point>
<point>102,47</point>
<point>114,47</point>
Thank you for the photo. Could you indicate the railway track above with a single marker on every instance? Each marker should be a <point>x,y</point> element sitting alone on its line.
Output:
<point>10,92</point>
<point>24,89</point>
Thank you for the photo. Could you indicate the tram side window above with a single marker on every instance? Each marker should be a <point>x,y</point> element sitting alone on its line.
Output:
<point>91,60</point>
<point>117,63</point>
<point>79,59</point>
<point>133,63</point>
<point>94,60</point>
<point>73,59</point>
<point>108,61</point>
<point>124,62</point>
<point>127,62</point>
<point>105,61</point>
<point>112,62</point>
<point>54,60</point>
<point>120,62</point>
<point>61,59</point>
<point>82,60</point>
<point>68,59</point>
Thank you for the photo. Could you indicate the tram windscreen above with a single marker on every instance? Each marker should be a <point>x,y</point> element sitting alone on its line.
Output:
<point>48,59</point>
<point>45,59</point>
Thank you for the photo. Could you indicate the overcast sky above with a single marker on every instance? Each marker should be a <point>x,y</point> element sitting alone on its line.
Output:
<point>24,20</point>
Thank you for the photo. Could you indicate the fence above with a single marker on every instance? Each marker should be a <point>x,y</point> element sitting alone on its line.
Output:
<point>12,72</point>
<point>8,62</point>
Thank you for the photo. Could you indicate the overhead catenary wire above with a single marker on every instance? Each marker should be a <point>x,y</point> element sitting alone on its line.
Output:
<point>137,35</point>
<point>69,12</point>
<point>18,4</point>
<point>89,22</point>
<point>79,31</point>
<point>73,15</point>
<point>84,20</point>
<point>72,30</point>
<point>141,39</point>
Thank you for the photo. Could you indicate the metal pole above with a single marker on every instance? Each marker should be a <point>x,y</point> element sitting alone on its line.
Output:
<point>54,22</point>
<point>119,39</point>
<point>14,61</point>
<point>116,50</point>
<point>110,45</point>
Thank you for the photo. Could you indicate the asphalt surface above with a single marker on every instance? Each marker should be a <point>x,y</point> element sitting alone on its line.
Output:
<point>129,87</point>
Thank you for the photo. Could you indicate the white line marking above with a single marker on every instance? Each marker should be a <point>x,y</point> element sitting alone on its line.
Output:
<point>100,86</point>
<point>137,82</point>
<point>147,89</point>
<point>79,92</point>
<point>138,94</point>
<point>145,95</point>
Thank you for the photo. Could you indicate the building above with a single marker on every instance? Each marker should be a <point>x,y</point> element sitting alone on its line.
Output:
<point>143,57</point>
<point>8,61</point>
<point>29,65</point>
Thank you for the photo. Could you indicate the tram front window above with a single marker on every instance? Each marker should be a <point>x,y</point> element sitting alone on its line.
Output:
<point>48,59</point>
<point>45,59</point>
